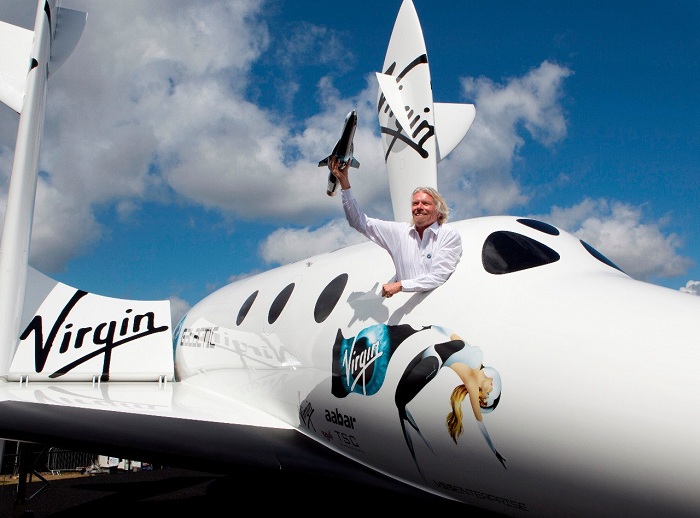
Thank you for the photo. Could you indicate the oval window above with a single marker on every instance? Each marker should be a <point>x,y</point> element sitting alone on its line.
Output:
<point>329,297</point>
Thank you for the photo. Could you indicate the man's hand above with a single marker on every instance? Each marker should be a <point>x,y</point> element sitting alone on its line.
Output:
<point>390,289</point>
<point>340,171</point>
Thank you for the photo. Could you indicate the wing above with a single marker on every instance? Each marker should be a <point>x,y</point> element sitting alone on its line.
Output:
<point>96,374</point>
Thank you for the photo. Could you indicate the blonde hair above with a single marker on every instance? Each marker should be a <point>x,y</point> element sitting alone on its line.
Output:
<point>454,418</point>
<point>440,205</point>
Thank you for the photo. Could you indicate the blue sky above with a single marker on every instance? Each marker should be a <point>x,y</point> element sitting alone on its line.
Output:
<point>182,138</point>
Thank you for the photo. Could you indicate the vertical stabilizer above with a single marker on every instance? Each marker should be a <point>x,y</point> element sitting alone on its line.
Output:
<point>405,110</point>
<point>408,119</point>
<point>27,95</point>
<point>15,51</point>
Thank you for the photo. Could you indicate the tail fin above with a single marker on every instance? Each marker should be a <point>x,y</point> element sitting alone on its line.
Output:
<point>17,43</point>
<point>72,335</point>
<point>416,134</point>
<point>28,58</point>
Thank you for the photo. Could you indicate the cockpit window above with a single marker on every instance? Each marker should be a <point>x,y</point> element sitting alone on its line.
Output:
<point>595,253</point>
<point>507,252</point>
<point>540,225</point>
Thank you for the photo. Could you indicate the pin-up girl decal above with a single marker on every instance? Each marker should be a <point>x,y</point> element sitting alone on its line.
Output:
<point>481,384</point>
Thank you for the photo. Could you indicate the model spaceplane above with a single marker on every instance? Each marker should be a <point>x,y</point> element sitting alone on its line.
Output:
<point>593,405</point>
<point>343,151</point>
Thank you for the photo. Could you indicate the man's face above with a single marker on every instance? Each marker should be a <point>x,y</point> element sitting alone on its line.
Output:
<point>424,210</point>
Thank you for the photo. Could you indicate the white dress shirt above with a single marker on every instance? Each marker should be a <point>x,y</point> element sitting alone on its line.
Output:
<point>421,264</point>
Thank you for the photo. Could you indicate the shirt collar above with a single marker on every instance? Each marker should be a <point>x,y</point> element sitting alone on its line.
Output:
<point>434,228</point>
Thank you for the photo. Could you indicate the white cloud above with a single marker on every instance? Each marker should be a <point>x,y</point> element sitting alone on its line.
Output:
<point>152,105</point>
<point>148,95</point>
<point>288,245</point>
<point>479,170</point>
<point>52,248</point>
<point>692,287</point>
<point>164,110</point>
<point>619,231</point>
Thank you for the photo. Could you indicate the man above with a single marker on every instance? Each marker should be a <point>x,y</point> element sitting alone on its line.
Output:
<point>425,253</point>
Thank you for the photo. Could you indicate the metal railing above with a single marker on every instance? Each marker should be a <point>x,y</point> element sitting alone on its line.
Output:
<point>59,460</point>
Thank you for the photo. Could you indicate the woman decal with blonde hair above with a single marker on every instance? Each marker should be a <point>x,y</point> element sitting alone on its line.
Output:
<point>482,385</point>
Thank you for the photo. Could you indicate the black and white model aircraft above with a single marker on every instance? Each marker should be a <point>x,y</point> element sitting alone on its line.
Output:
<point>343,151</point>
<point>593,408</point>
